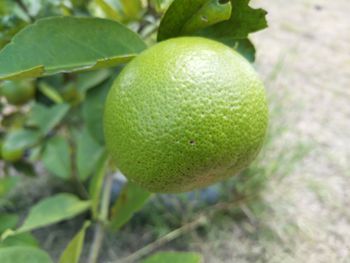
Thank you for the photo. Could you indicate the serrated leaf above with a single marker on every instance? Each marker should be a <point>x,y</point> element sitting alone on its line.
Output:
<point>174,257</point>
<point>56,157</point>
<point>73,251</point>
<point>19,254</point>
<point>89,152</point>
<point>243,21</point>
<point>46,118</point>
<point>93,108</point>
<point>68,44</point>
<point>185,17</point>
<point>131,200</point>
<point>51,210</point>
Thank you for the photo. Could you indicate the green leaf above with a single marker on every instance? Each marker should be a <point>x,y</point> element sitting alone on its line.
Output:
<point>96,184</point>
<point>50,92</point>
<point>88,80</point>
<point>19,254</point>
<point>89,152</point>
<point>52,210</point>
<point>131,199</point>
<point>174,257</point>
<point>56,157</point>
<point>67,44</point>
<point>7,184</point>
<point>73,251</point>
<point>185,17</point>
<point>46,118</point>
<point>243,21</point>
<point>132,8</point>
<point>21,139</point>
<point>93,108</point>
<point>8,221</point>
<point>24,239</point>
<point>108,10</point>
<point>243,46</point>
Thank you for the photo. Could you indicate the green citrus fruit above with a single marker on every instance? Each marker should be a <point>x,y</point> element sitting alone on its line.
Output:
<point>17,92</point>
<point>11,155</point>
<point>184,114</point>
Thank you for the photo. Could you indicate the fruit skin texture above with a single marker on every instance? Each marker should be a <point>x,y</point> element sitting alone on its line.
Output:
<point>184,114</point>
<point>17,92</point>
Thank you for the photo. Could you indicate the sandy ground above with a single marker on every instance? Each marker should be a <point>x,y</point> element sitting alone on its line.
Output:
<point>304,57</point>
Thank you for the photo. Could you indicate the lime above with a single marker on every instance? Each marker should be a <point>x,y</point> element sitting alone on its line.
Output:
<point>184,114</point>
<point>17,92</point>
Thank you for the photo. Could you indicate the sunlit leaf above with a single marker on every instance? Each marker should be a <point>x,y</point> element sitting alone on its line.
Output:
<point>51,210</point>
<point>73,251</point>
<point>66,44</point>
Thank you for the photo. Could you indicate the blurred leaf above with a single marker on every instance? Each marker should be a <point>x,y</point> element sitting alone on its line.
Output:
<point>49,211</point>
<point>77,44</point>
<point>109,11</point>
<point>91,79</point>
<point>89,152</point>
<point>73,251</point>
<point>21,139</point>
<point>174,257</point>
<point>93,108</point>
<point>7,184</point>
<point>8,221</point>
<point>132,8</point>
<point>50,92</point>
<point>185,17</point>
<point>46,118</point>
<point>131,199</point>
<point>244,20</point>
<point>161,5</point>
<point>23,255</point>
<point>24,239</point>
<point>56,157</point>
<point>96,184</point>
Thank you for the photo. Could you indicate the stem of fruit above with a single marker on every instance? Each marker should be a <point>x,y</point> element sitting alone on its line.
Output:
<point>100,225</point>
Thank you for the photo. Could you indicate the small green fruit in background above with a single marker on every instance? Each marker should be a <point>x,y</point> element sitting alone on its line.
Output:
<point>185,114</point>
<point>17,92</point>
<point>11,155</point>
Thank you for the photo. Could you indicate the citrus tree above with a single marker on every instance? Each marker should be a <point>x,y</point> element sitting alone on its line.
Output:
<point>58,62</point>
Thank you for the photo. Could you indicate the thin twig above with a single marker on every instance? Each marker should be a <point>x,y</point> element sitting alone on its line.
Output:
<point>99,227</point>
<point>201,220</point>
<point>164,239</point>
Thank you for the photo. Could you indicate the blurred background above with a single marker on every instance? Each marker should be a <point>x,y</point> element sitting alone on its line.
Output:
<point>291,205</point>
